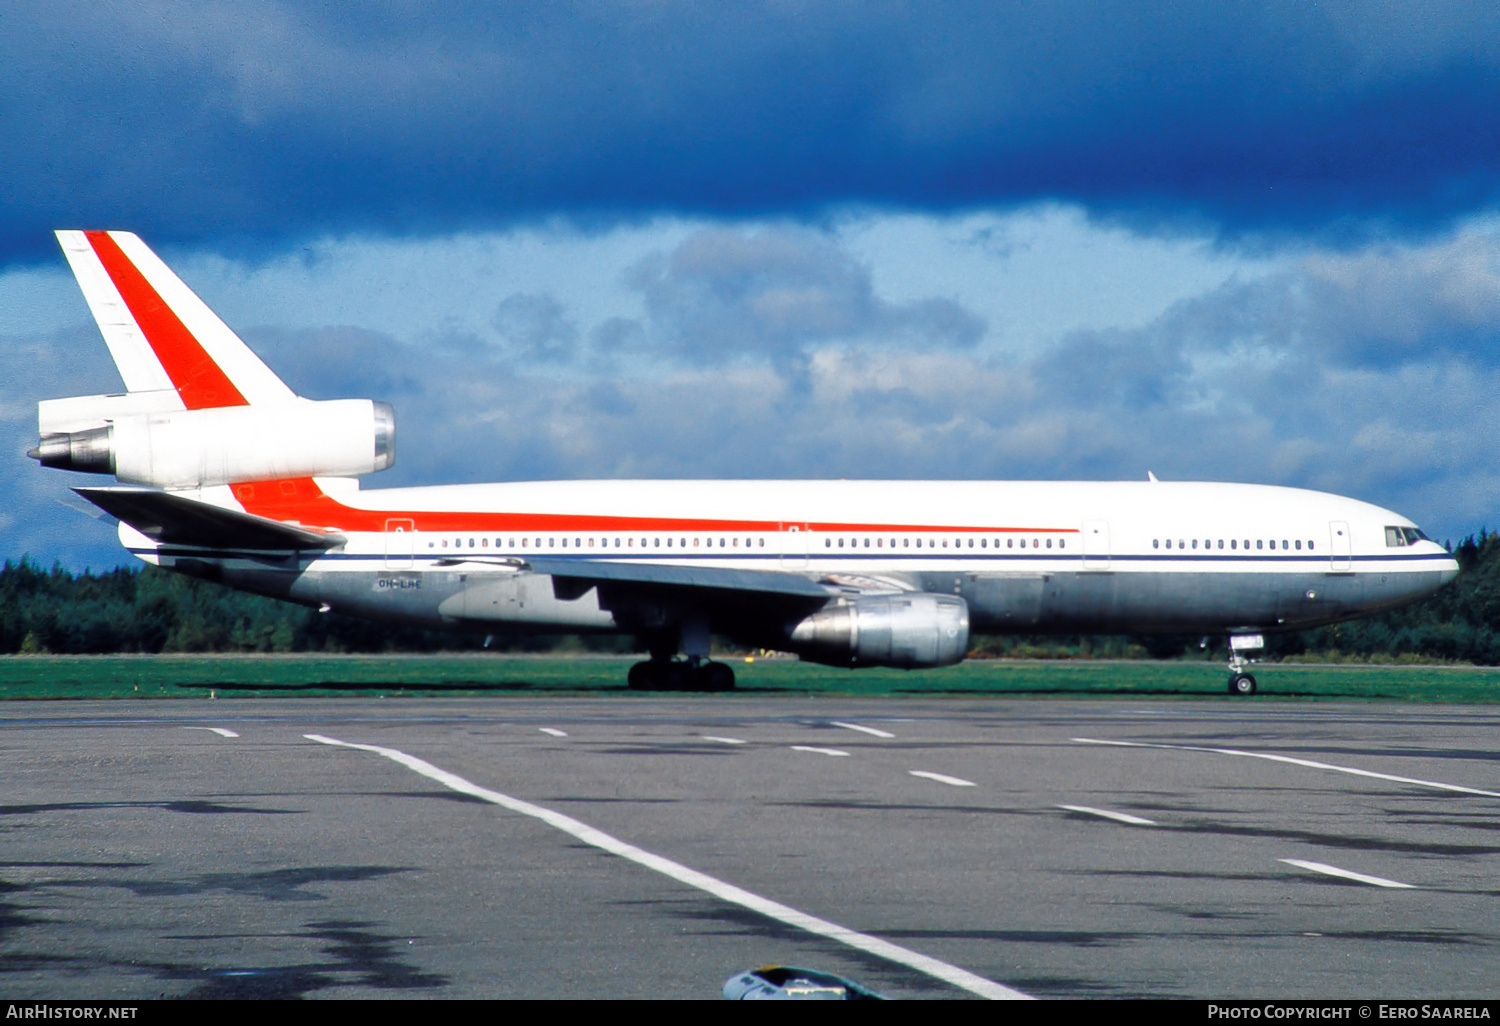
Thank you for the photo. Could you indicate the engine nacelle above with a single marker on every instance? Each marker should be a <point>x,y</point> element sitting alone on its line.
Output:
<point>909,631</point>
<point>198,448</point>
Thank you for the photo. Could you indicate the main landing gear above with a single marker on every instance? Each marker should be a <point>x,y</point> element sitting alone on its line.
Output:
<point>681,675</point>
<point>1240,682</point>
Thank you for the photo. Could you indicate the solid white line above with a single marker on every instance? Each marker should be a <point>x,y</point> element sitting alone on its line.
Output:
<point>961,978</point>
<point>221,731</point>
<point>1297,762</point>
<point>872,731</point>
<point>943,778</point>
<point>820,751</point>
<point>725,740</point>
<point>1119,817</point>
<point>1320,867</point>
<point>553,731</point>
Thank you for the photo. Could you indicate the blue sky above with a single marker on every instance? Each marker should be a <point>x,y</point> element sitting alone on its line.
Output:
<point>1213,240</point>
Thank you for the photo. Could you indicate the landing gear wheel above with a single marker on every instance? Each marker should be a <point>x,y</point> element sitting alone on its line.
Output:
<point>1242,684</point>
<point>640,677</point>
<point>675,676</point>
<point>715,677</point>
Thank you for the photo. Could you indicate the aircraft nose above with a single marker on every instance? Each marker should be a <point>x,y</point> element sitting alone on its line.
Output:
<point>1450,571</point>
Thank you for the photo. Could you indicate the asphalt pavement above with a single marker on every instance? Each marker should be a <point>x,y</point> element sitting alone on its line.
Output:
<point>635,846</point>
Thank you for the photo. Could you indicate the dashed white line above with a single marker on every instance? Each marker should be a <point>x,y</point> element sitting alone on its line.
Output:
<point>820,751</point>
<point>1119,817</point>
<point>221,731</point>
<point>553,731</point>
<point>1296,762</point>
<point>872,731</point>
<point>1321,867</point>
<point>943,778</point>
<point>933,967</point>
<point>725,740</point>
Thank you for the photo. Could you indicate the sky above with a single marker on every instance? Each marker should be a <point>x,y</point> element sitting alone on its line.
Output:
<point>1211,240</point>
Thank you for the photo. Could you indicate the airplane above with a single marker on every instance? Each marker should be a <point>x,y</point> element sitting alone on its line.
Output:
<point>227,475</point>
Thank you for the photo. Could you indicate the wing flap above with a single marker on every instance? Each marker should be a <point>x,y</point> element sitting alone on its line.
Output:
<point>173,519</point>
<point>773,582</point>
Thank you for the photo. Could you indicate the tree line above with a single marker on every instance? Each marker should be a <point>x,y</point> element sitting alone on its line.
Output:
<point>148,610</point>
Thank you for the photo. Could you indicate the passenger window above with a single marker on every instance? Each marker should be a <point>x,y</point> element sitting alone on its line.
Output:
<point>1299,543</point>
<point>1195,543</point>
<point>1232,543</point>
<point>1259,544</point>
<point>1010,543</point>
<point>1221,543</point>
<point>1309,546</point>
<point>1284,545</point>
<point>1049,543</point>
<point>1156,543</point>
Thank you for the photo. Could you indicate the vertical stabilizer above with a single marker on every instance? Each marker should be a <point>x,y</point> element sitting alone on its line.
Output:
<point>161,335</point>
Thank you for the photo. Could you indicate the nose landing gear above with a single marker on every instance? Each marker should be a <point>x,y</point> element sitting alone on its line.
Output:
<point>1240,682</point>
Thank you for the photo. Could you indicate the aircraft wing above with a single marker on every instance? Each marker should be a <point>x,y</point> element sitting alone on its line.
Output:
<point>773,582</point>
<point>178,520</point>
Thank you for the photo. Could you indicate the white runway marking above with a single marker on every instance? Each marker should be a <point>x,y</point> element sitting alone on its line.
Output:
<point>1374,881</point>
<point>943,778</point>
<point>1119,817</point>
<point>820,751</point>
<point>553,731</point>
<point>725,740</point>
<point>221,731</point>
<point>1297,762</point>
<point>872,731</point>
<point>961,978</point>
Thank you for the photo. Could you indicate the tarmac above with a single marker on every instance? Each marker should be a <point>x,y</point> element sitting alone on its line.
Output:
<point>652,847</point>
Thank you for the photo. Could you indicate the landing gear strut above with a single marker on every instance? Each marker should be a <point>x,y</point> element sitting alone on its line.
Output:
<point>1240,682</point>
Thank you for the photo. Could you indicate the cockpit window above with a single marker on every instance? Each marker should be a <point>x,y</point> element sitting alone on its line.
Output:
<point>1397,536</point>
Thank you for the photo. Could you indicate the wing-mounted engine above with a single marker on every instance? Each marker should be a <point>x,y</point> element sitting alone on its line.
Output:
<point>908,631</point>
<point>147,438</point>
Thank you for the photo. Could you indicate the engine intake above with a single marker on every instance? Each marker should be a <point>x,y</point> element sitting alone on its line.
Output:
<point>911,631</point>
<point>223,445</point>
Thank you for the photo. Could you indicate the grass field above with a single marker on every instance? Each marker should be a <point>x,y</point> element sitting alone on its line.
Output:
<point>25,677</point>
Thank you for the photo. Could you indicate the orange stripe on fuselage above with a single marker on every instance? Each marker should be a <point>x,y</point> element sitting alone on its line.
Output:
<point>301,499</point>
<point>201,382</point>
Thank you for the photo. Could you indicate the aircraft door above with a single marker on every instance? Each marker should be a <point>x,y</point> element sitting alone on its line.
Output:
<point>794,543</point>
<point>1096,544</point>
<point>400,543</point>
<point>1340,546</point>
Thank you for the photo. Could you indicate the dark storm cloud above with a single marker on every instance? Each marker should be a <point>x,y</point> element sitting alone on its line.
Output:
<point>262,121</point>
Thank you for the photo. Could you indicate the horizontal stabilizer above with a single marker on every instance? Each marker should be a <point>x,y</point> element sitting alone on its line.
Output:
<point>766,581</point>
<point>173,519</point>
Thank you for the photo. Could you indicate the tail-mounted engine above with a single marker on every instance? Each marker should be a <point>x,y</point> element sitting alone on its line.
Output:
<point>142,440</point>
<point>910,631</point>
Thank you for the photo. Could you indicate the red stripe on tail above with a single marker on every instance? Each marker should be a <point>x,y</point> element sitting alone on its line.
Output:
<point>201,382</point>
